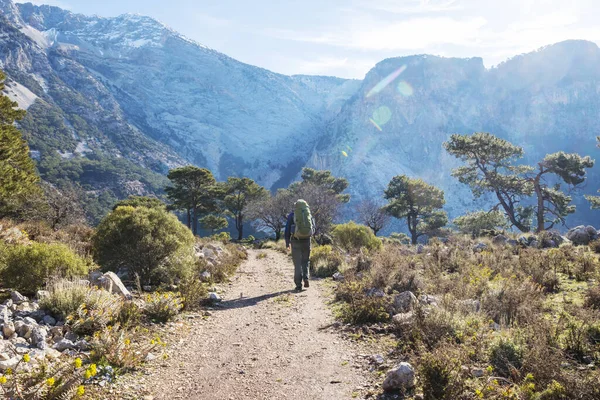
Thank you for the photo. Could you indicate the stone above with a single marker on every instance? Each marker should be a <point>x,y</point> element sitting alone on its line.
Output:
<point>38,337</point>
<point>420,249</point>
<point>10,363</point>
<point>500,240</point>
<point>338,277</point>
<point>5,314</point>
<point>535,244</point>
<point>37,315</point>
<point>8,329</point>
<point>42,294</point>
<point>56,331</point>
<point>205,276</point>
<point>209,253</point>
<point>404,302</point>
<point>30,321</point>
<point>94,277</point>
<point>4,356</point>
<point>477,372</point>
<point>49,320</point>
<point>580,235</point>
<point>71,336</point>
<point>17,297</point>
<point>25,331</point>
<point>8,303</point>
<point>429,300</point>
<point>523,241</point>
<point>150,357</point>
<point>403,320</point>
<point>592,232</point>
<point>63,345</point>
<point>400,378</point>
<point>111,282</point>
<point>377,359</point>
<point>25,307</point>
<point>479,247</point>
<point>375,292</point>
<point>82,345</point>
<point>214,297</point>
<point>512,242</point>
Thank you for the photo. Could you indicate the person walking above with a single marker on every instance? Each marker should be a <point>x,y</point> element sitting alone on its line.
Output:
<point>299,229</point>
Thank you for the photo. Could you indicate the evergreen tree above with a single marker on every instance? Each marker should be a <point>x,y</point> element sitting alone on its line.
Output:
<point>417,202</point>
<point>553,205</point>
<point>18,177</point>
<point>195,190</point>
<point>474,223</point>
<point>490,168</point>
<point>241,192</point>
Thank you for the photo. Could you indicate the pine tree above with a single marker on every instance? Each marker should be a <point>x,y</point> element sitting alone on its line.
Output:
<point>241,192</point>
<point>18,177</point>
<point>595,200</point>
<point>417,202</point>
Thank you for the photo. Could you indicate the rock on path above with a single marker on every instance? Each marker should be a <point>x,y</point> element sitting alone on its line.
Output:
<point>262,342</point>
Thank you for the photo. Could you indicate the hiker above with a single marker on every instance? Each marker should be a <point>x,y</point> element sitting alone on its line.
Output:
<point>300,227</point>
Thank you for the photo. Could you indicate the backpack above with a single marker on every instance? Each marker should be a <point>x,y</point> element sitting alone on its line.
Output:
<point>303,220</point>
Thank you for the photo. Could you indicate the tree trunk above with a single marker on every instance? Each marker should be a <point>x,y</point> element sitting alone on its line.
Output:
<point>375,231</point>
<point>412,228</point>
<point>277,234</point>
<point>189,219</point>
<point>510,212</point>
<point>239,224</point>
<point>540,204</point>
<point>195,222</point>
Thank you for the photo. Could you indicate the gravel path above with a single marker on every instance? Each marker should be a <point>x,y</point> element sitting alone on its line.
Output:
<point>264,341</point>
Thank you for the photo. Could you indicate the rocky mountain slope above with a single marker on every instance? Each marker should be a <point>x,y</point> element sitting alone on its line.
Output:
<point>114,102</point>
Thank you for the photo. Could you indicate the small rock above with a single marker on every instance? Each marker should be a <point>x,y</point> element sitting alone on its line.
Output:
<point>10,363</point>
<point>374,292</point>
<point>38,337</point>
<point>403,320</point>
<point>8,329</point>
<point>499,240</point>
<point>111,282</point>
<point>49,320</point>
<point>205,276</point>
<point>63,345</point>
<point>82,345</point>
<point>477,372</point>
<point>404,302</point>
<point>377,359</point>
<point>17,297</point>
<point>400,378</point>
<point>479,247</point>
<point>338,277</point>
<point>214,297</point>
<point>150,357</point>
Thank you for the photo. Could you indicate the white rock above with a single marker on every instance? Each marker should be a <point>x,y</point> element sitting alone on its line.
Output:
<point>17,297</point>
<point>49,320</point>
<point>63,345</point>
<point>11,363</point>
<point>214,297</point>
<point>400,378</point>
<point>404,320</point>
<point>404,302</point>
<point>338,277</point>
<point>205,276</point>
<point>111,282</point>
<point>8,329</point>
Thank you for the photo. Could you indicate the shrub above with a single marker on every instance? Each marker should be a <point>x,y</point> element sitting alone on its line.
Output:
<point>358,307</point>
<point>324,261</point>
<point>475,222</point>
<point>514,301</point>
<point>440,374</point>
<point>27,267</point>
<point>224,237</point>
<point>193,292</point>
<point>352,237</point>
<point>163,307</point>
<point>592,297</point>
<point>122,348</point>
<point>148,242</point>
<point>99,309</point>
<point>506,357</point>
<point>403,238</point>
<point>595,246</point>
<point>65,296</point>
<point>130,314</point>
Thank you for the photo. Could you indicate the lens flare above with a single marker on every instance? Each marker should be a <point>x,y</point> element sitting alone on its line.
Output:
<point>375,125</point>
<point>349,148</point>
<point>382,115</point>
<point>344,153</point>
<point>386,81</point>
<point>405,89</point>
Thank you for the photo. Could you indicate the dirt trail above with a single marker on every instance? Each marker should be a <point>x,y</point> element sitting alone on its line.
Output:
<point>264,341</point>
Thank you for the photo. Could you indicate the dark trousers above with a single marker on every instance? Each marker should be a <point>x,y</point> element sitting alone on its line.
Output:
<point>301,258</point>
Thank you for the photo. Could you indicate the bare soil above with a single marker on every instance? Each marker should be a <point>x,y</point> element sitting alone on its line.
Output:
<point>263,341</point>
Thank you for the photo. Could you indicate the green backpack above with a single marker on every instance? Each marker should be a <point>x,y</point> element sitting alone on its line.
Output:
<point>303,220</point>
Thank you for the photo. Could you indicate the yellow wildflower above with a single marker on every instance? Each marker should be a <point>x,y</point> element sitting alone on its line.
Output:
<point>2,380</point>
<point>80,391</point>
<point>78,362</point>
<point>9,371</point>
<point>127,342</point>
<point>26,357</point>
<point>93,370</point>
<point>50,381</point>
<point>87,374</point>
<point>152,342</point>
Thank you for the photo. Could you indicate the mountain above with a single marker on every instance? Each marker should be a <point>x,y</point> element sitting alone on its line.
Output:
<point>115,102</point>
<point>545,101</point>
<point>131,91</point>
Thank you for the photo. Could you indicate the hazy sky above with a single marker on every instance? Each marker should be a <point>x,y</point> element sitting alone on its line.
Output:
<point>348,37</point>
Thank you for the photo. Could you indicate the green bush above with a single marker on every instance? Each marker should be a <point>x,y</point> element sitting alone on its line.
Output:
<point>324,261</point>
<point>99,310</point>
<point>27,267</point>
<point>64,297</point>
<point>194,292</point>
<point>440,374</point>
<point>506,357</point>
<point>357,307</point>
<point>148,242</point>
<point>474,223</point>
<point>352,237</point>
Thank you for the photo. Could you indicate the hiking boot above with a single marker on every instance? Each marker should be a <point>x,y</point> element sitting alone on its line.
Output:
<point>306,284</point>
<point>298,288</point>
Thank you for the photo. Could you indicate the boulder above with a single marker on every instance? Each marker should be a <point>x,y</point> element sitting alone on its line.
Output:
<point>11,363</point>
<point>95,277</point>
<point>582,235</point>
<point>400,378</point>
<point>535,244</point>
<point>17,297</point>
<point>429,300</point>
<point>111,282</point>
<point>500,240</point>
<point>374,292</point>
<point>404,302</point>
<point>523,241</point>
